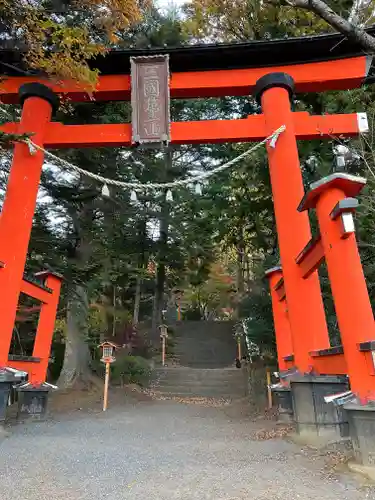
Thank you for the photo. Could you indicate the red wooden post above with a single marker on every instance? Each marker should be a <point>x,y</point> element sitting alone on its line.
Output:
<point>280,318</point>
<point>19,205</point>
<point>306,311</point>
<point>46,324</point>
<point>353,308</point>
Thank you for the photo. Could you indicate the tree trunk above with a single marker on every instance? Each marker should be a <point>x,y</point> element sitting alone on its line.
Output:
<point>240,272</point>
<point>137,300</point>
<point>142,264</point>
<point>76,370</point>
<point>247,270</point>
<point>163,243</point>
<point>159,296</point>
<point>76,366</point>
<point>343,26</point>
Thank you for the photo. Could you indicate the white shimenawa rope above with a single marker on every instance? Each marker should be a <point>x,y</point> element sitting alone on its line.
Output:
<point>138,186</point>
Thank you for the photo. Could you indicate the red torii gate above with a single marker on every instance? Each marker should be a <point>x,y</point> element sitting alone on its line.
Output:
<point>273,86</point>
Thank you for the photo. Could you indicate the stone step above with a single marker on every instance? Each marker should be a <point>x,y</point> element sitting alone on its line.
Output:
<point>203,373</point>
<point>206,354</point>
<point>202,380</point>
<point>203,392</point>
<point>204,344</point>
<point>196,385</point>
<point>200,365</point>
<point>189,377</point>
<point>190,338</point>
<point>192,382</point>
<point>209,340</point>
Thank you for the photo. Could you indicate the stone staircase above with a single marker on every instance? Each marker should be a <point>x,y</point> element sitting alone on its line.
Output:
<point>216,383</point>
<point>205,344</point>
<point>205,352</point>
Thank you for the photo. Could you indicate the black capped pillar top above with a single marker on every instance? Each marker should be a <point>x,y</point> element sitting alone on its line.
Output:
<point>271,80</point>
<point>36,89</point>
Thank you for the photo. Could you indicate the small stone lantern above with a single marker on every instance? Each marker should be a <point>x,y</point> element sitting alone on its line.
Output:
<point>108,352</point>
<point>163,335</point>
<point>108,357</point>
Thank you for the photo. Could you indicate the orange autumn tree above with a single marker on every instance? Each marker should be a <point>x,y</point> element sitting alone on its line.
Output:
<point>59,37</point>
<point>214,298</point>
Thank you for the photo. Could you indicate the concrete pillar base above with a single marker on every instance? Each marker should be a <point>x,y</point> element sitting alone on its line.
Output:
<point>4,396</point>
<point>313,416</point>
<point>362,432</point>
<point>283,396</point>
<point>32,403</point>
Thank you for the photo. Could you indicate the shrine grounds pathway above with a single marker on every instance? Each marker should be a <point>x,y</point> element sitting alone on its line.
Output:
<point>162,450</point>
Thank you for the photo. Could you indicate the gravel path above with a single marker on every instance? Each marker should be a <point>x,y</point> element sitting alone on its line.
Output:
<point>161,451</point>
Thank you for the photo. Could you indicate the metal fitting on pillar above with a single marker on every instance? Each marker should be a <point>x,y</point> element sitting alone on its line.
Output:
<point>344,210</point>
<point>350,186</point>
<point>36,89</point>
<point>266,82</point>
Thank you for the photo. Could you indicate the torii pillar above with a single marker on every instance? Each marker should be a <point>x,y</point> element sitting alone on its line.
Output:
<point>332,197</point>
<point>306,310</point>
<point>280,319</point>
<point>17,213</point>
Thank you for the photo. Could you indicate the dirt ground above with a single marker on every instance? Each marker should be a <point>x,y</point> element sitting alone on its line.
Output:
<point>147,447</point>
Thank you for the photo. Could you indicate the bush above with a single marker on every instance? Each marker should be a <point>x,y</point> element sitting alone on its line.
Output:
<point>126,369</point>
<point>131,370</point>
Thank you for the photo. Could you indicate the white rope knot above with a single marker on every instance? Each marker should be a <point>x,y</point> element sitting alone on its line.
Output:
<point>32,148</point>
<point>275,136</point>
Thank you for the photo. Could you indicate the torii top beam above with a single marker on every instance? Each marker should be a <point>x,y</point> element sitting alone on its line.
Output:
<point>317,64</point>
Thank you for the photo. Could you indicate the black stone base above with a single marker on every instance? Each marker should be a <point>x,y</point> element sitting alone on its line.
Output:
<point>283,396</point>
<point>32,403</point>
<point>4,396</point>
<point>313,416</point>
<point>362,432</point>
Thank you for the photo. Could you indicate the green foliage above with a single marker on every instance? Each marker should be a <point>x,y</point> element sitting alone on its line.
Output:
<point>207,299</point>
<point>60,329</point>
<point>228,20</point>
<point>126,370</point>
<point>131,370</point>
<point>256,308</point>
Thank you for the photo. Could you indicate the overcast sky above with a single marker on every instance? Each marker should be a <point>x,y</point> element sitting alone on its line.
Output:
<point>166,3</point>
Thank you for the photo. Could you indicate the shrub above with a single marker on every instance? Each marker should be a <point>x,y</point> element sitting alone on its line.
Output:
<point>126,369</point>
<point>131,370</point>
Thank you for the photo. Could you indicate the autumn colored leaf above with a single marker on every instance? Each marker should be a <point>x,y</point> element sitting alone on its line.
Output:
<point>60,41</point>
